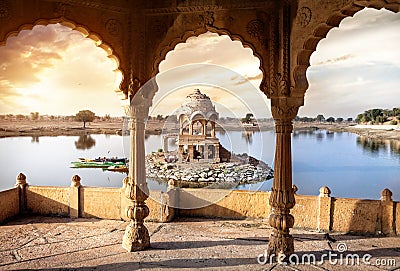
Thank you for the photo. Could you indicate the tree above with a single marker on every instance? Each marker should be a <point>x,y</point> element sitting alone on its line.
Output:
<point>107,117</point>
<point>339,120</point>
<point>85,142</point>
<point>34,115</point>
<point>349,119</point>
<point>248,118</point>
<point>320,118</point>
<point>159,117</point>
<point>85,116</point>
<point>20,117</point>
<point>330,119</point>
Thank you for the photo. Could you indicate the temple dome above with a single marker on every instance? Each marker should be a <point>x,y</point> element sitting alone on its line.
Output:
<point>198,105</point>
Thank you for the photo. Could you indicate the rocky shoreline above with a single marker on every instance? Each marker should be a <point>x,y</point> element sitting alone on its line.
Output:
<point>241,170</point>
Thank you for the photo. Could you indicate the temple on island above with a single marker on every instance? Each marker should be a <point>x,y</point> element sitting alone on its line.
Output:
<point>196,139</point>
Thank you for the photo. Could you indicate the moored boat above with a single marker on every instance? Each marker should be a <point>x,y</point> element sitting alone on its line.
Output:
<point>98,162</point>
<point>121,168</point>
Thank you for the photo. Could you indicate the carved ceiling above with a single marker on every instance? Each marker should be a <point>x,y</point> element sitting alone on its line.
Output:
<point>137,35</point>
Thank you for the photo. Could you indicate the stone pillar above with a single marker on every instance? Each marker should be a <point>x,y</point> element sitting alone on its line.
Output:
<point>136,235</point>
<point>165,143</point>
<point>21,184</point>
<point>169,201</point>
<point>180,153</point>
<point>191,128</point>
<point>324,209</point>
<point>204,127</point>
<point>205,153</point>
<point>191,152</point>
<point>282,197</point>
<point>74,196</point>
<point>213,129</point>
<point>216,153</point>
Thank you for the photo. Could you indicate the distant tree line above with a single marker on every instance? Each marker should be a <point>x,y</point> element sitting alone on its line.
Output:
<point>35,116</point>
<point>379,116</point>
<point>321,119</point>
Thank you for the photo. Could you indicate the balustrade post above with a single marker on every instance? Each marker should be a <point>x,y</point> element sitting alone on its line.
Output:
<point>21,184</point>
<point>74,191</point>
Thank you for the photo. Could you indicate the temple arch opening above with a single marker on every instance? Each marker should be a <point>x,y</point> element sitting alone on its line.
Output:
<point>352,63</point>
<point>209,51</point>
<point>303,55</point>
<point>66,28</point>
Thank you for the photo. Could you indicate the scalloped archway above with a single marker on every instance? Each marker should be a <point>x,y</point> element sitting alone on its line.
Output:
<point>171,44</point>
<point>87,34</point>
<point>321,31</point>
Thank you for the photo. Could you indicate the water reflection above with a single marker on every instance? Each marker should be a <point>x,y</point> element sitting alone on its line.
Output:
<point>330,135</point>
<point>248,136</point>
<point>35,139</point>
<point>305,132</point>
<point>85,142</point>
<point>395,148</point>
<point>376,147</point>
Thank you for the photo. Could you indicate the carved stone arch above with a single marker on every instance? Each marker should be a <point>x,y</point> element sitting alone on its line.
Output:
<point>87,34</point>
<point>320,32</point>
<point>169,45</point>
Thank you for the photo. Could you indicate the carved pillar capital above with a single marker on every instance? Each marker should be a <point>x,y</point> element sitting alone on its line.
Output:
<point>285,108</point>
<point>282,198</point>
<point>136,191</point>
<point>283,126</point>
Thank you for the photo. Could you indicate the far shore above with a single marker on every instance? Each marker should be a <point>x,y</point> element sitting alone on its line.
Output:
<point>16,128</point>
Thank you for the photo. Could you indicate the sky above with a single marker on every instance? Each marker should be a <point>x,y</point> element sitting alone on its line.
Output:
<point>56,71</point>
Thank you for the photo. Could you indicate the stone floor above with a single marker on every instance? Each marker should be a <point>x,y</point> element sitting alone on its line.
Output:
<point>94,244</point>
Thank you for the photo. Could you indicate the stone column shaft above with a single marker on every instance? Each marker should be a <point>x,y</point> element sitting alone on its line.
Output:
<point>282,196</point>
<point>216,153</point>
<point>136,235</point>
<point>191,128</point>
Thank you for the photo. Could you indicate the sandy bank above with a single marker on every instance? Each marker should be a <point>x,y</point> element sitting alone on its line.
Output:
<point>58,128</point>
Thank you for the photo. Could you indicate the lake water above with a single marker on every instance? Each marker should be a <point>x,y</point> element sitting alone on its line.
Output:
<point>349,165</point>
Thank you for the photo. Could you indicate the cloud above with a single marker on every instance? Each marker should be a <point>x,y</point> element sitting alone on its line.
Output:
<point>55,70</point>
<point>24,57</point>
<point>334,60</point>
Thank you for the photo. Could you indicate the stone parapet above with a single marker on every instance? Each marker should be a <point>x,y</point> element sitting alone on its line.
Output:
<point>322,213</point>
<point>9,202</point>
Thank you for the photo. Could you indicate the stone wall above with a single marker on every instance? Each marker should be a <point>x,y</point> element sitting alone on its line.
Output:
<point>100,202</point>
<point>228,204</point>
<point>352,215</point>
<point>9,204</point>
<point>86,202</point>
<point>321,212</point>
<point>46,200</point>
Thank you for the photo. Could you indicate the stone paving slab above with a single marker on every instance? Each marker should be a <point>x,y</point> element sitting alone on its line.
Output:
<point>52,243</point>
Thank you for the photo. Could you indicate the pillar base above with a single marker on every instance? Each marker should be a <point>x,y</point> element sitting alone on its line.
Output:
<point>279,245</point>
<point>136,238</point>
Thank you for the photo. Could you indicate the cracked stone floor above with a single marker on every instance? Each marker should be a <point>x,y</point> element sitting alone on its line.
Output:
<point>53,243</point>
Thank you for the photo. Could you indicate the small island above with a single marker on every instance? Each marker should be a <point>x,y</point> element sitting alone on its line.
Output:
<point>200,159</point>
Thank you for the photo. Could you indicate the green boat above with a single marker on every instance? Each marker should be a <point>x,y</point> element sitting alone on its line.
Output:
<point>87,163</point>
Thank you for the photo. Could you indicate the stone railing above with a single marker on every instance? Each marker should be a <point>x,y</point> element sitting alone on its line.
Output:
<point>323,212</point>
